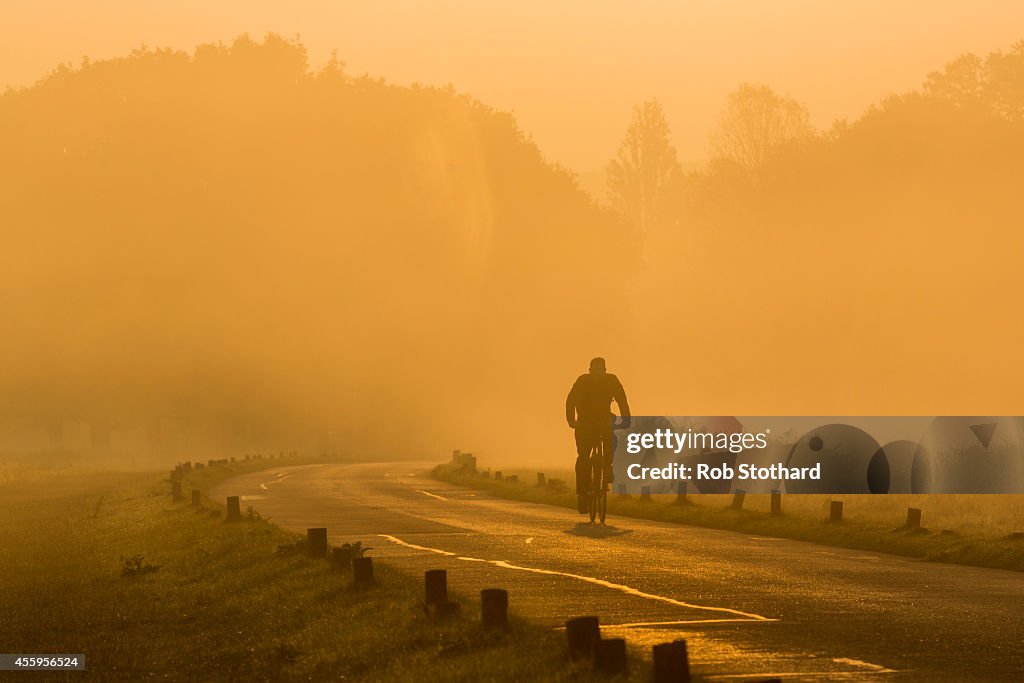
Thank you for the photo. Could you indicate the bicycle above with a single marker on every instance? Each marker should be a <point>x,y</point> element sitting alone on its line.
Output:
<point>597,506</point>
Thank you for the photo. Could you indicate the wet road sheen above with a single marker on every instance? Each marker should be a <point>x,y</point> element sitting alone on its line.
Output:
<point>748,606</point>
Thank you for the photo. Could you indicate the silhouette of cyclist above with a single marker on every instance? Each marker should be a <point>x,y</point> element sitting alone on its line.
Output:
<point>588,411</point>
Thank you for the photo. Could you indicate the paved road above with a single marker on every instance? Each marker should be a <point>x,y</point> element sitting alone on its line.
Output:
<point>749,606</point>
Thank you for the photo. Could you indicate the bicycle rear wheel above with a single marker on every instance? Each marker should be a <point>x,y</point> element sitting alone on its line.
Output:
<point>594,482</point>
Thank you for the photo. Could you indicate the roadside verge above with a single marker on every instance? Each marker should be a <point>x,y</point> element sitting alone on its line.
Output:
<point>1005,552</point>
<point>108,565</point>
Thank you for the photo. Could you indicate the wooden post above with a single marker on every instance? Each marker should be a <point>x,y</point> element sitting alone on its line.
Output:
<point>176,491</point>
<point>671,663</point>
<point>362,570</point>
<point>680,492</point>
<point>583,634</point>
<point>835,511</point>
<point>541,480</point>
<point>234,509</point>
<point>645,494</point>
<point>913,518</point>
<point>316,542</point>
<point>436,584</point>
<point>494,607</point>
<point>610,656</point>
<point>195,498</point>
<point>737,499</point>
<point>341,559</point>
<point>776,503</point>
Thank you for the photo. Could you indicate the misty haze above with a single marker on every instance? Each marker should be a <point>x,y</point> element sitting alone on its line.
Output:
<point>311,312</point>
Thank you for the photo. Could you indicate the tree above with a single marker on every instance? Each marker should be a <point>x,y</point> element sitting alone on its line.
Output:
<point>755,121</point>
<point>644,168</point>
<point>961,81</point>
<point>995,83</point>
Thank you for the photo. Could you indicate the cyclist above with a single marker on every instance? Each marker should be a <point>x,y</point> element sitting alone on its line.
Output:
<point>588,411</point>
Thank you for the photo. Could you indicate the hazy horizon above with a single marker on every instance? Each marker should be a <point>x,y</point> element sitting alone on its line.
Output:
<point>226,245</point>
<point>556,74</point>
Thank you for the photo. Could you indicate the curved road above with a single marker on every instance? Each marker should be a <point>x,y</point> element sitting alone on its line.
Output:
<point>749,607</point>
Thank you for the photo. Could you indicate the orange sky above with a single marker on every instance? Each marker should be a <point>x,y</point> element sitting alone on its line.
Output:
<point>571,71</point>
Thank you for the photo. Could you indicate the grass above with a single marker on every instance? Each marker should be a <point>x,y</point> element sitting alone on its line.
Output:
<point>105,564</point>
<point>969,529</point>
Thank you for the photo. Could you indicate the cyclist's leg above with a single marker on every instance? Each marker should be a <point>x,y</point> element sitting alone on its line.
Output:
<point>583,445</point>
<point>609,452</point>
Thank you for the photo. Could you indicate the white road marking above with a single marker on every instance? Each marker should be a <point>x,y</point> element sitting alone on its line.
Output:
<point>529,540</point>
<point>682,622</point>
<point>871,670</point>
<point>432,495</point>
<point>823,675</point>
<point>866,665</point>
<point>417,547</point>
<point>281,476</point>
<point>628,590</point>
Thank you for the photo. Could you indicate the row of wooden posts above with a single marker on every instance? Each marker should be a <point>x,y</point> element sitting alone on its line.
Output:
<point>234,506</point>
<point>316,539</point>
<point>835,513</point>
<point>738,498</point>
<point>342,559</point>
<point>183,468</point>
<point>177,496</point>
<point>583,634</point>
<point>671,660</point>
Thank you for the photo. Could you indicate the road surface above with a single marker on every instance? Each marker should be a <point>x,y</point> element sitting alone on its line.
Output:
<point>749,606</point>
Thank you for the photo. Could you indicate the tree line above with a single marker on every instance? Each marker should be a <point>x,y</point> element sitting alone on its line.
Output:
<point>763,136</point>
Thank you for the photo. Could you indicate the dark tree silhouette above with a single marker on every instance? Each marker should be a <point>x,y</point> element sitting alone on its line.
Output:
<point>233,217</point>
<point>757,120</point>
<point>995,82</point>
<point>644,169</point>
